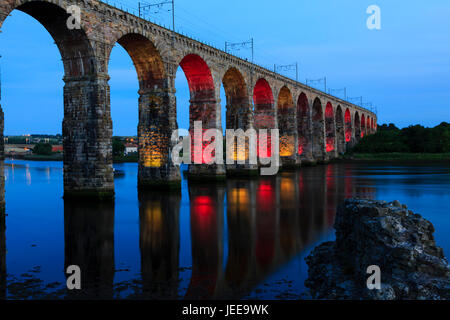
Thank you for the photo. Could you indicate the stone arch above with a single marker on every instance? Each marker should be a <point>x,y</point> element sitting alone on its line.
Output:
<point>74,46</point>
<point>318,138</point>
<point>363,126</point>
<point>87,127</point>
<point>368,125</point>
<point>348,125</point>
<point>154,127</point>
<point>264,114</point>
<point>238,109</point>
<point>330,128</point>
<point>340,130</point>
<point>203,108</point>
<point>304,127</point>
<point>146,59</point>
<point>287,125</point>
<point>371,125</point>
<point>358,132</point>
<point>200,80</point>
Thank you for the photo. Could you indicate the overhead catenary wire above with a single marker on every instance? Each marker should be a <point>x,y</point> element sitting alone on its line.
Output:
<point>200,29</point>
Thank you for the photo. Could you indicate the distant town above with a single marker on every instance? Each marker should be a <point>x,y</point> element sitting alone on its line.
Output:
<point>50,147</point>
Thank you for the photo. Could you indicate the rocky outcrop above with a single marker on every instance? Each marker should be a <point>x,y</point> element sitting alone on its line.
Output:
<point>387,235</point>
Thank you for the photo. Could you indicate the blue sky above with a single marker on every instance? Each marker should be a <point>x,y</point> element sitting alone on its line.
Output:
<point>403,69</point>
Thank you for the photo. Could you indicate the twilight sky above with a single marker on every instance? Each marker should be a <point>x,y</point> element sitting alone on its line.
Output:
<point>403,69</point>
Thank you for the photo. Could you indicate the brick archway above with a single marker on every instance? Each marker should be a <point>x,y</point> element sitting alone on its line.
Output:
<point>348,126</point>
<point>318,123</point>
<point>287,126</point>
<point>358,132</point>
<point>340,130</point>
<point>304,127</point>
<point>330,128</point>
<point>87,127</point>
<point>154,127</point>
<point>264,113</point>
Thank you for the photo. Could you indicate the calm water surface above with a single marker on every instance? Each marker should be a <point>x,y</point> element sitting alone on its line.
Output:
<point>241,239</point>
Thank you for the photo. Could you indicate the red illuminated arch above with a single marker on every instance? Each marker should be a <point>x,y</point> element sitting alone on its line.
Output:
<point>329,128</point>
<point>363,126</point>
<point>264,113</point>
<point>303,124</point>
<point>205,250</point>
<point>203,100</point>
<point>340,130</point>
<point>358,132</point>
<point>348,126</point>
<point>262,95</point>
<point>198,74</point>
<point>368,125</point>
<point>265,232</point>
<point>318,138</point>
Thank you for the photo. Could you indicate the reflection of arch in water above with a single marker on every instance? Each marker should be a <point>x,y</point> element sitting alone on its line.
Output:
<point>289,211</point>
<point>240,213</point>
<point>89,244</point>
<point>159,243</point>
<point>266,220</point>
<point>207,246</point>
<point>311,203</point>
<point>331,195</point>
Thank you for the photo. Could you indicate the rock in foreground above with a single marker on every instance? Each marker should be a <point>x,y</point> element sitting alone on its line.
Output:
<point>389,236</point>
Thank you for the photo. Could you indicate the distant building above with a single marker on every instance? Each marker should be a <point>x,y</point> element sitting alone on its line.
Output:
<point>12,150</point>
<point>130,148</point>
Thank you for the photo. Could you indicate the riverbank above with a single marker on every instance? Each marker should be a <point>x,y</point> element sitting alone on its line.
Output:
<point>357,157</point>
<point>397,156</point>
<point>35,157</point>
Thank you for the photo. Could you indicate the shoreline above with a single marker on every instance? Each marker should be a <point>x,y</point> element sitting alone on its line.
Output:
<point>396,157</point>
<point>60,159</point>
<point>354,158</point>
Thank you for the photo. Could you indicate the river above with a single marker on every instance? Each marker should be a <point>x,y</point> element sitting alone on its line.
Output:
<point>244,238</point>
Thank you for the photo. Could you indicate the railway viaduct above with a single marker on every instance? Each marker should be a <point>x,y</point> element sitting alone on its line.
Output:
<point>314,126</point>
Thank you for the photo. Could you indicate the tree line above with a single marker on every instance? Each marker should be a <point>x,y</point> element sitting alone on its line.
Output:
<point>413,139</point>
